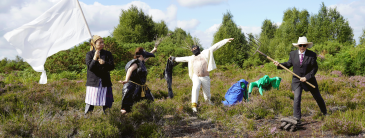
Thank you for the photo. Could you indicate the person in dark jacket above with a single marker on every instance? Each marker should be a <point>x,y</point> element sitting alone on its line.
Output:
<point>134,85</point>
<point>98,85</point>
<point>304,63</point>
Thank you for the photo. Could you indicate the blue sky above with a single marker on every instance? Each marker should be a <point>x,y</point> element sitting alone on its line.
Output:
<point>199,17</point>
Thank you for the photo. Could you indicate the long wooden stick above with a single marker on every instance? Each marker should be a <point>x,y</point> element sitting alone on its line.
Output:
<point>91,36</point>
<point>286,69</point>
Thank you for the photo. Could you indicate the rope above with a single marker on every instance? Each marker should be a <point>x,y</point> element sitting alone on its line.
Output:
<point>144,88</point>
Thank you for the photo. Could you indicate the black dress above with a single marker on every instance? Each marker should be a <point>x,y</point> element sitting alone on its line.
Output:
<point>135,90</point>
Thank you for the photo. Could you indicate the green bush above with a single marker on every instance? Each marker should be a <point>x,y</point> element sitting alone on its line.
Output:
<point>148,130</point>
<point>348,61</point>
<point>342,126</point>
<point>98,127</point>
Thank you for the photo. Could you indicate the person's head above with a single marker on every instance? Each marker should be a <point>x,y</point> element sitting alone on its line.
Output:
<point>303,44</point>
<point>141,54</point>
<point>96,43</point>
<point>195,49</point>
<point>302,47</point>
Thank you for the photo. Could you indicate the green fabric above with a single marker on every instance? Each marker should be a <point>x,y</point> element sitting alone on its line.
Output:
<point>265,83</point>
<point>245,93</point>
<point>243,85</point>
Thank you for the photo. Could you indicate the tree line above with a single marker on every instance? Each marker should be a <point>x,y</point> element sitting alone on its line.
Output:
<point>328,30</point>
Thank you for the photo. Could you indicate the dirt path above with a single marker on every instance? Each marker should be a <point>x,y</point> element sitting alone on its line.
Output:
<point>192,127</point>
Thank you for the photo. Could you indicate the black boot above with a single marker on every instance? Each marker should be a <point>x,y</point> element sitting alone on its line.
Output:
<point>88,108</point>
<point>104,109</point>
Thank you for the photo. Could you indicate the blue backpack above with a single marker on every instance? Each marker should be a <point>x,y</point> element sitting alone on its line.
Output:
<point>236,93</point>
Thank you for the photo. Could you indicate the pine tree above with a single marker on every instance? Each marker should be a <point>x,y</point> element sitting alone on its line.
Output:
<point>294,25</point>
<point>329,25</point>
<point>134,27</point>
<point>236,51</point>
<point>268,29</point>
<point>161,29</point>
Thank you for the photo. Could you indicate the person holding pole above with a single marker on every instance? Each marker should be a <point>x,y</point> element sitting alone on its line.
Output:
<point>305,66</point>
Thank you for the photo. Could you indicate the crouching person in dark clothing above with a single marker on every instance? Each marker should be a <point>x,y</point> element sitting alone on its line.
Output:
<point>135,88</point>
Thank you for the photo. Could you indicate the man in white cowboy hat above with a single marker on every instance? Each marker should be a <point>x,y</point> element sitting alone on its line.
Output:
<point>304,65</point>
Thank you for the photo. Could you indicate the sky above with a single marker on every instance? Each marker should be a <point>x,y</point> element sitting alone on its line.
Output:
<point>201,18</point>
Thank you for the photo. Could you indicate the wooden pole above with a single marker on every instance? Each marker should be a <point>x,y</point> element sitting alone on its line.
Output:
<point>290,71</point>
<point>78,3</point>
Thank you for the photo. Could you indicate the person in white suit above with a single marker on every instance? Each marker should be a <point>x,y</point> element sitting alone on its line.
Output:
<point>199,66</point>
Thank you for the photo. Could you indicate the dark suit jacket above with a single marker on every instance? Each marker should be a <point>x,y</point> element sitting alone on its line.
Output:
<point>96,71</point>
<point>308,69</point>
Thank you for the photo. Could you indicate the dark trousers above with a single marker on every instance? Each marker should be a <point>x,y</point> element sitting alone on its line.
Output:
<point>90,108</point>
<point>298,98</point>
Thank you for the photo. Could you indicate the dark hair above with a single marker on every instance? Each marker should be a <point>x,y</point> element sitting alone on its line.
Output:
<point>194,46</point>
<point>138,52</point>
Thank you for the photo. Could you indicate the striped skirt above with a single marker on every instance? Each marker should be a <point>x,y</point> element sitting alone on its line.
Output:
<point>99,96</point>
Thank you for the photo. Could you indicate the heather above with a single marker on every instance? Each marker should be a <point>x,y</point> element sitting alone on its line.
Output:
<point>29,109</point>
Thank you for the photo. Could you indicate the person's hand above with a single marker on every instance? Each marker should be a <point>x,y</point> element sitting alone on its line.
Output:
<point>123,82</point>
<point>154,49</point>
<point>101,61</point>
<point>303,79</point>
<point>230,39</point>
<point>97,54</point>
<point>276,63</point>
<point>170,58</point>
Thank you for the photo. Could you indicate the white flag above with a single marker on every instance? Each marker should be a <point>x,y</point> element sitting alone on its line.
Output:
<point>59,28</point>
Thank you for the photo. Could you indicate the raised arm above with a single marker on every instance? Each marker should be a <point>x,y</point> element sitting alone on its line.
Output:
<point>153,51</point>
<point>182,59</point>
<point>218,45</point>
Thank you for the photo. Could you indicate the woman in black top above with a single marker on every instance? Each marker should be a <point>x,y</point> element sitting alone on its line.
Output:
<point>134,88</point>
<point>98,85</point>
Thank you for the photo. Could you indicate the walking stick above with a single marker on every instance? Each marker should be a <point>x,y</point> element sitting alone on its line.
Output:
<point>257,50</point>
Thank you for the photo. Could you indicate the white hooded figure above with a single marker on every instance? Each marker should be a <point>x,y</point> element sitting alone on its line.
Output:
<point>199,65</point>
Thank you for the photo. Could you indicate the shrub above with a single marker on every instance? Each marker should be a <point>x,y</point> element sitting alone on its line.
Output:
<point>342,126</point>
<point>98,127</point>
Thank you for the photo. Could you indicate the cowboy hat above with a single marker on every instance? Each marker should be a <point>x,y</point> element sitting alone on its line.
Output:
<point>303,40</point>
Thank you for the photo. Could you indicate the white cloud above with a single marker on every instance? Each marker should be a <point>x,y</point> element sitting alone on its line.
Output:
<point>5,5</point>
<point>278,24</point>
<point>251,29</point>
<point>197,3</point>
<point>101,18</point>
<point>188,25</point>
<point>206,37</point>
<point>355,13</point>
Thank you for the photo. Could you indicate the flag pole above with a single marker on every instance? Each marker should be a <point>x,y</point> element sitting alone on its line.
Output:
<point>78,3</point>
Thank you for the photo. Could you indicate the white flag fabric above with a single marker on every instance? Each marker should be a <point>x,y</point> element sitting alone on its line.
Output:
<point>59,28</point>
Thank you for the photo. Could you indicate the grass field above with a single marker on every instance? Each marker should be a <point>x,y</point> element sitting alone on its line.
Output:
<point>56,109</point>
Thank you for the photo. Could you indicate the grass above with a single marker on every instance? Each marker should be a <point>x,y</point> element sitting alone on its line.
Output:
<point>55,109</point>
